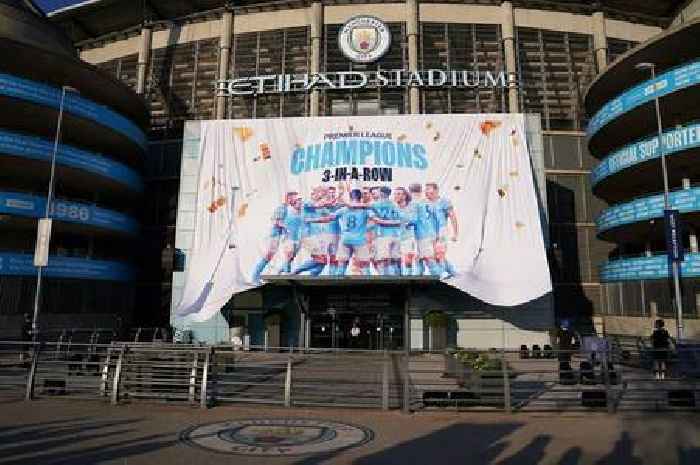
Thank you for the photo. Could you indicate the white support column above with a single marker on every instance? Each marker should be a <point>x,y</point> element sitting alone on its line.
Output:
<point>144,59</point>
<point>600,42</point>
<point>508,32</point>
<point>412,35</point>
<point>315,65</point>
<point>224,57</point>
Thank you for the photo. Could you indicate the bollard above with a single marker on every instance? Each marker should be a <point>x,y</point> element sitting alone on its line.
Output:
<point>507,403</point>
<point>205,379</point>
<point>406,407</point>
<point>610,404</point>
<point>104,384</point>
<point>192,392</point>
<point>32,372</point>
<point>117,376</point>
<point>385,382</point>
<point>288,385</point>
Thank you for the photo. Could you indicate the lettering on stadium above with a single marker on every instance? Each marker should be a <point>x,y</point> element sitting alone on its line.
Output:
<point>358,152</point>
<point>284,83</point>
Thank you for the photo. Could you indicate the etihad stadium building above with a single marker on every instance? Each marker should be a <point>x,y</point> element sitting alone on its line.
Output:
<point>176,54</point>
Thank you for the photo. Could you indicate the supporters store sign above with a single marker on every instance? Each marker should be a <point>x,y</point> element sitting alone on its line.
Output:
<point>449,196</point>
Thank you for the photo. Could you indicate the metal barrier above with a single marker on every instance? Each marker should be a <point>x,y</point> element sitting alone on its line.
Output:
<point>505,380</point>
<point>16,361</point>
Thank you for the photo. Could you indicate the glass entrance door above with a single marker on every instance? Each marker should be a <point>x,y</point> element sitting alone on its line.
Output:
<point>357,330</point>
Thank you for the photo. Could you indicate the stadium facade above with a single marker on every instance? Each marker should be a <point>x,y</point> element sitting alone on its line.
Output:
<point>624,134</point>
<point>172,53</point>
<point>90,276</point>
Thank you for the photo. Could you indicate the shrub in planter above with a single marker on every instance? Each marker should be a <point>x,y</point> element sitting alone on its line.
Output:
<point>273,319</point>
<point>436,320</point>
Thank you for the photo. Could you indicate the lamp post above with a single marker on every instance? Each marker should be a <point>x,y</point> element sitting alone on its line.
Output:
<point>44,226</point>
<point>667,206</point>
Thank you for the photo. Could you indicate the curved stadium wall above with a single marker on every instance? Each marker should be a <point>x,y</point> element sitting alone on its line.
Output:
<point>91,272</point>
<point>623,134</point>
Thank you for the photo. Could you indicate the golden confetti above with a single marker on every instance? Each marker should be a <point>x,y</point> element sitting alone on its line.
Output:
<point>488,126</point>
<point>457,188</point>
<point>212,207</point>
<point>436,137</point>
<point>519,225</point>
<point>428,125</point>
<point>243,133</point>
<point>513,132</point>
<point>476,153</point>
<point>402,137</point>
<point>501,192</point>
<point>265,151</point>
<point>460,166</point>
<point>242,210</point>
<point>220,201</point>
<point>350,128</point>
<point>514,174</point>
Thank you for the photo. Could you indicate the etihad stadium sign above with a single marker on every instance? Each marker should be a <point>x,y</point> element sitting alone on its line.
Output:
<point>349,80</point>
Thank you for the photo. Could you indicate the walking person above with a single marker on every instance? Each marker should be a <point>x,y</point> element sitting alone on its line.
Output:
<point>661,344</point>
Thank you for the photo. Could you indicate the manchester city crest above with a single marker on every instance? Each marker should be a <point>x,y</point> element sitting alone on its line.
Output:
<point>364,39</point>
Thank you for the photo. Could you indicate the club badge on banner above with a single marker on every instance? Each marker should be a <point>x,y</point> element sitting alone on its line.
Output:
<point>450,196</point>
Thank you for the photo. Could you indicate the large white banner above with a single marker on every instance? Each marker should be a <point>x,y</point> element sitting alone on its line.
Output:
<point>450,196</point>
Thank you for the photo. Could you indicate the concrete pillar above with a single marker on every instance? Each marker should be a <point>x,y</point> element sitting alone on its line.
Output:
<point>412,35</point>
<point>600,42</point>
<point>653,310</point>
<point>508,31</point>
<point>693,240</point>
<point>144,59</point>
<point>316,36</point>
<point>224,57</point>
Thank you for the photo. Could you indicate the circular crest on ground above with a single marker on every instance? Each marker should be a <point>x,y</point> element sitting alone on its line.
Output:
<point>276,436</point>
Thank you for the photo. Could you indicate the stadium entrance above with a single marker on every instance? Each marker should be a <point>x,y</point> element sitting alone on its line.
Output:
<point>356,317</point>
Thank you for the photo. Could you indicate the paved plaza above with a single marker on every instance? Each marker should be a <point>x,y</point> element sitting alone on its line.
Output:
<point>75,433</point>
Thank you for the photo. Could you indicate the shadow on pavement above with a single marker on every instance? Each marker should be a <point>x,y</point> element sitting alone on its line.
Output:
<point>73,442</point>
<point>462,443</point>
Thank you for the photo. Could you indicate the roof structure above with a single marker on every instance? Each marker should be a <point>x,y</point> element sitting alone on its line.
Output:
<point>86,20</point>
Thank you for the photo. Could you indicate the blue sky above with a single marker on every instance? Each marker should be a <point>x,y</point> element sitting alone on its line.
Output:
<point>50,5</point>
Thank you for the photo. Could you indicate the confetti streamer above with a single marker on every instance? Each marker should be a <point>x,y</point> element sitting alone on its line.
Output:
<point>265,151</point>
<point>243,133</point>
<point>242,210</point>
<point>488,126</point>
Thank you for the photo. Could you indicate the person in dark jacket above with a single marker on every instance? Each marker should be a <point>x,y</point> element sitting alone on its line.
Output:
<point>661,344</point>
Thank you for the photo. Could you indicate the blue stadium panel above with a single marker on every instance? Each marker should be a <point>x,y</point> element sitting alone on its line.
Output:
<point>669,82</point>
<point>647,208</point>
<point>36,148</point>
<point>675,141</point>
<point>42,94</point>
<point>17,264</point>
<point>642,268</point>
<point>15,203</point>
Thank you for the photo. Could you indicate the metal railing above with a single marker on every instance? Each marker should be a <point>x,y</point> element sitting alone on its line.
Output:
<point>503,380</point>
